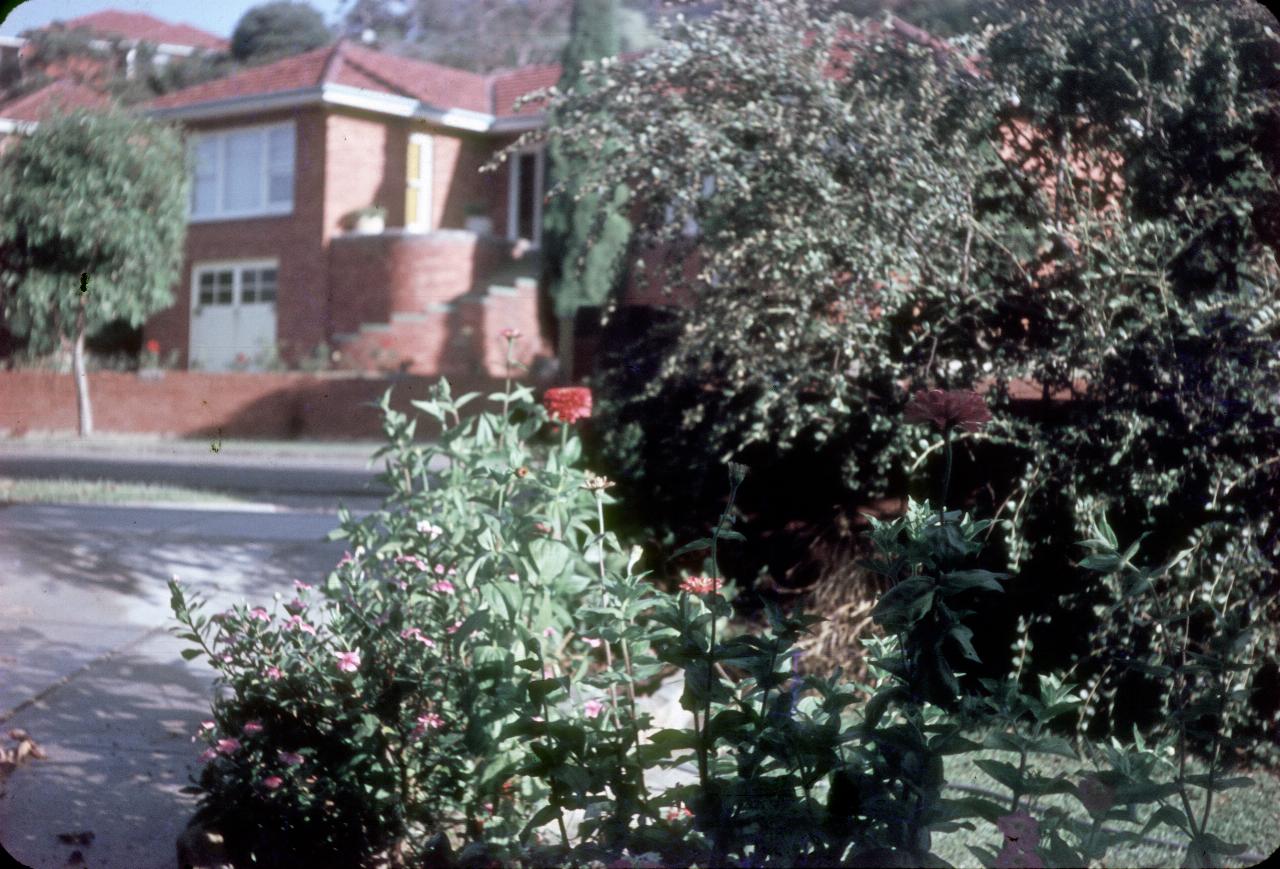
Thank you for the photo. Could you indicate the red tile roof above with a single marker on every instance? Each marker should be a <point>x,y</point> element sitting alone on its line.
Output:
<point>356,66</point>
<point>510,85</point>
<point>300,71</point>
<point>64,95</point>
<point>139,25</point>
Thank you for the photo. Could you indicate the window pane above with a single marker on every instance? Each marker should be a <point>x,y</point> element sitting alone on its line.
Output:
<point>527,203</point>
<point>206,288</point>
<point>267,285</point>
<point>411,207</point>
<point>224,281</point>
<point>415,161</point>
<point>280,166</point>
<point>242,186</point>
<point>248,287</point>
<point>204,187</point>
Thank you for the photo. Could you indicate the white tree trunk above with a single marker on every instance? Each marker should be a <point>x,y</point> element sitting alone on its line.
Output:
<point>82,380</point>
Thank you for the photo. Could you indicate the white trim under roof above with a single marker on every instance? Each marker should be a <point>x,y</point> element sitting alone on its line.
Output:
<point>352,98</point>
<point>20,128</point>
<point>12,42</point>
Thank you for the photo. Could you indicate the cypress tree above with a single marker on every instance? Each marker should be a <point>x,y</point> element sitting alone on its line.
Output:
<point>585,237</point>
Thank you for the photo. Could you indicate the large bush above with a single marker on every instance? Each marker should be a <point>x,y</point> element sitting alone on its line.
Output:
<point>1075,206</point>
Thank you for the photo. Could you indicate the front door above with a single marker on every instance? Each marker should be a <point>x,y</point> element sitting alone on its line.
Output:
<point>233,316</point>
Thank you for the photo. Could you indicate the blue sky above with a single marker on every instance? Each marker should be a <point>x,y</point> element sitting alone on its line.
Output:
<point>215,16</point>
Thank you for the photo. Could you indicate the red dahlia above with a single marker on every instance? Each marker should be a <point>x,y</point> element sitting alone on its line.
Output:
<point>701,584</point>
<point>960,407</point>
<point>568,403</point>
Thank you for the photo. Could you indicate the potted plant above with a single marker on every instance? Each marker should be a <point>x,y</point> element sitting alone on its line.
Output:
<point>370,220</point>
<point>478,219</point>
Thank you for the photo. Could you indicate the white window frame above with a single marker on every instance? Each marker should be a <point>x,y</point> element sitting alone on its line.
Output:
<point>425,185</point>
<point>237,268</point>
<point>513,194</point>
<point>268,208</point>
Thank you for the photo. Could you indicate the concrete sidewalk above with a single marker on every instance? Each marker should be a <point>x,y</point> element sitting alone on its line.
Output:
<point>89,671</point>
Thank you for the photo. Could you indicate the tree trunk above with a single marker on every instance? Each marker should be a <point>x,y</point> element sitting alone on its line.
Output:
<point>81,376</point>
<point>565,347</point>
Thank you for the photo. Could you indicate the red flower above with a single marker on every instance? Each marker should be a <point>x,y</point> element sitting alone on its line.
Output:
<point>960,407</point>
<point>153,347</point>
<point>568,403</point>
<point>701,584</point>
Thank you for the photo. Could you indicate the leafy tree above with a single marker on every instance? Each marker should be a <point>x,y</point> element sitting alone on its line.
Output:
<point>481,35</point>
<point>585,236</point>
<point>275,30</point>
<point>1091,206</point>
<point>92,223</point>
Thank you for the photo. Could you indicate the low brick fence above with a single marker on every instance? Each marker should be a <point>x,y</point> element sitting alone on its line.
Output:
<point>199,404</point>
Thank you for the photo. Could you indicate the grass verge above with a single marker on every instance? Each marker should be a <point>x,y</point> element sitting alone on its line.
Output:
<point>73,491</point>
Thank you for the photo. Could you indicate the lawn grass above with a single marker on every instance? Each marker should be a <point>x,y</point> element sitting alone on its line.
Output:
<point>1246,815</point>
<point>74,491</point>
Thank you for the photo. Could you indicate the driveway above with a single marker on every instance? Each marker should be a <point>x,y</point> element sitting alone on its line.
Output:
<point>88,669</point>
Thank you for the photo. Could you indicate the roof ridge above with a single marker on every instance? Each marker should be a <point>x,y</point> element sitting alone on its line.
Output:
<point>336,55</point>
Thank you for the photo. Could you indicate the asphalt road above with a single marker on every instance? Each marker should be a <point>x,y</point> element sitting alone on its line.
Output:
<point>89,670</point>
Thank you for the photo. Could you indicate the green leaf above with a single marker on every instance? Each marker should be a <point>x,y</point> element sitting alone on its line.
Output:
<point>963,580</point>
<point>1167,815</point>
<point>188,654</point>
<point>696,546</point>
<point>543,816</point>
<point>1004,773</point>
<point>903,605</point>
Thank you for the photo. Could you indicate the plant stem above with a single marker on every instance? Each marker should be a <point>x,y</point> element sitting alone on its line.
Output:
<point>946,474</point>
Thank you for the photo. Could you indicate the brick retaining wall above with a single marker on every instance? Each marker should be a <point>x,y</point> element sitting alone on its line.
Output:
<point>189,403</point>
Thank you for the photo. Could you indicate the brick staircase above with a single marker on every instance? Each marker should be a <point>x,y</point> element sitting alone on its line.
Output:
<point>462,337</point>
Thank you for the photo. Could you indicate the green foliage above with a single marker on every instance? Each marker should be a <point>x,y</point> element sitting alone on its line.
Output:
<point>864,235</point>
<point>279,29</point>
<point>92,217</point>
<point>585,234</point>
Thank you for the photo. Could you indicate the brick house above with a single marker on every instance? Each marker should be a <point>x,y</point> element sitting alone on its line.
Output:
<point>287,154</point>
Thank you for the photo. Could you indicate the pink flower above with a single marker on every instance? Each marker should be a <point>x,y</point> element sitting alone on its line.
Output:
<point>1012,856</point>
<point>290,758</point>
<point>415,561</point>
<point>228,746</point>
<point>444,586</point>
<point>511,334</point>
<point>702,584</point>
<point>1020,827</point>
<point>568,403</point>
<point>416,634</point>
<point>346,559</point>
<point>226,657</point>
<point>302,586</point>
<point>432,531</point>
<point>593,642</point>
<point>592,708</point>
<point>348,662</point>
<point>430,721</point>
<point>207,725</point>
<point>295,606</point>
<point>548,631</point>
<point>453,628</point>
<point>514,577</point>
<point>259,613</point>
<point>153,347</point>
<point>274,674</point>
<point>207,755</point>
<point>962,407</point>
<point>440,569</point>
<point>272,782</point>
<point>252,727</point>
<point>295,623</point>
<point>675,813</point>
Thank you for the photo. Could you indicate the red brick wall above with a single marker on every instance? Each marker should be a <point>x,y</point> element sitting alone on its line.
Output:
<point>373,276</point>
<point>189,403</point>
<point>295,239</point>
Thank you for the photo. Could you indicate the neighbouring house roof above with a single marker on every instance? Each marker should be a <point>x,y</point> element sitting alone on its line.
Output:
<point>359,77</point>
<point>146,28</point>
<point>25,111</point>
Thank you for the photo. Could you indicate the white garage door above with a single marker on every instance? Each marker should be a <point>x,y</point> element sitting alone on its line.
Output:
<point>233,315</point>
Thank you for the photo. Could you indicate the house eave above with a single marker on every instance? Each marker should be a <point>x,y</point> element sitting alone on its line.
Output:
<point>10,126</point>
<point>349,97</point>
